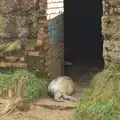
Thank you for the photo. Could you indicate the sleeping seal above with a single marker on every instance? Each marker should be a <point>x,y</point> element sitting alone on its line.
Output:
<point>62,88</point>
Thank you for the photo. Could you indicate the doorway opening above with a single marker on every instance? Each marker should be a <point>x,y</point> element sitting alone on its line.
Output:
<point>83,42</point>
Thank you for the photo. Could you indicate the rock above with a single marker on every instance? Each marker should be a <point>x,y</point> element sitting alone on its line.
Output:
<point>22,59</point>
<point>12,58</point>
<point>33,53</point>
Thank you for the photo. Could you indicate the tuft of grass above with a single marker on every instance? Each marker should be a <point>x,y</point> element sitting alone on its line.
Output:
<point>8,47</point>
<point>25,83</point>
<point>101,99</point>
<point>19,87</point>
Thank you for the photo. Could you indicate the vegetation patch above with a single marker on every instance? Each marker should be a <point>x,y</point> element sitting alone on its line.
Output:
<point>101,99</point>
<point>11,46</point>
<point>20,85</point>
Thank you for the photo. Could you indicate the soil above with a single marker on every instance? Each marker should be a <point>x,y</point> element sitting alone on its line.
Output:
<point>48,109</point>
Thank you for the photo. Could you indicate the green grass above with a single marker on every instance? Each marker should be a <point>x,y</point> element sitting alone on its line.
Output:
<point>24,82</point>
<point>101,99</point>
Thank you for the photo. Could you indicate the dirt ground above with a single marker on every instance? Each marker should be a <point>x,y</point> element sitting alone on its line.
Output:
<point>42,113</point>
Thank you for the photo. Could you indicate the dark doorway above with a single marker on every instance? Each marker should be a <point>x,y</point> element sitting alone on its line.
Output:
<point>83,37</point>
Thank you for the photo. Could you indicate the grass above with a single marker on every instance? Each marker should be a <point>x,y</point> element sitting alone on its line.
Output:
<point>11,46</point>
<point>20,87</point>
<point>25,83</point>
<point>101,99</point>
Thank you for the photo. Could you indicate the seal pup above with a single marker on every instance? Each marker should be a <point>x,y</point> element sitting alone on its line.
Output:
<point>62,88</point>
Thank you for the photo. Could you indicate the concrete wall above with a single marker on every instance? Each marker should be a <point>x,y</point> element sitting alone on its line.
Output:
<point>21,18</point>
<point>111,30</point>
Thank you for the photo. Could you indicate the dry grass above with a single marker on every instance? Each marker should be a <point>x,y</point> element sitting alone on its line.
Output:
<point>101,100</point>
<point>9,47</point>
<point>17,89</point>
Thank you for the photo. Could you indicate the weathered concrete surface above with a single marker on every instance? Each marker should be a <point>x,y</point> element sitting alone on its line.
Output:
<point>111,30</point>
<point>20,18</point>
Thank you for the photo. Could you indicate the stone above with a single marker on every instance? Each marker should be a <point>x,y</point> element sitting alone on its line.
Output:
<point>42,61</point>
<point>1,23</point>
<point>29,48</point>
<point>33,53</point>
<point>22,59</point>
<point>46,63</point>
<point>12,58</point>
<point>9,6</point>
<point>19,64</point>
<point>42,55</point>
<point>40,66</point>
<point>46,69</point>
<point>9,28</point>
<point>111,30</point>
<point>5,64</point>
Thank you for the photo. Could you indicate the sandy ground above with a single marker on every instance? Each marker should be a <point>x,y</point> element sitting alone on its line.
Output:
<point>42,113</point>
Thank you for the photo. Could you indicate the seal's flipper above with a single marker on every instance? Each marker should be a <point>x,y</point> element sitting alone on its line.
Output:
<point>70,98</point>
<point>58,97</point>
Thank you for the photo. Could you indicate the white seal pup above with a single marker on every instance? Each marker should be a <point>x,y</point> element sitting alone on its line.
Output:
<point>62,88</point>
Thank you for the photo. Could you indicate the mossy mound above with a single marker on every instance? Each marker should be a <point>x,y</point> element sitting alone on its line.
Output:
<point>101,99</point>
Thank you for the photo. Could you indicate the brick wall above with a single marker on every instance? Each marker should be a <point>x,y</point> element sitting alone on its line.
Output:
<point>23,20</point>
<point>27,21</point>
